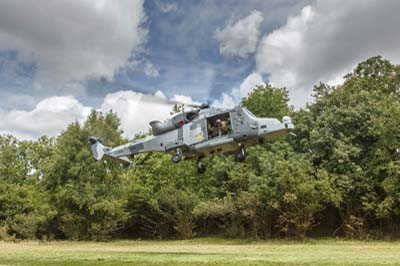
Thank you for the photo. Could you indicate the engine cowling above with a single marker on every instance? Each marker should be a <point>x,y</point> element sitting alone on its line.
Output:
<point>175,122</point>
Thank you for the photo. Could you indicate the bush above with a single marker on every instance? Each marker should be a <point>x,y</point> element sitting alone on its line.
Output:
<point>5,235</point>
<point>24,211</point>
<point>100,222</point>
<point>24,225</point>
<point>176,207</point>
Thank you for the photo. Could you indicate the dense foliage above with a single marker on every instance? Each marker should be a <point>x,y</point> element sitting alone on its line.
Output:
<point>340,176</point>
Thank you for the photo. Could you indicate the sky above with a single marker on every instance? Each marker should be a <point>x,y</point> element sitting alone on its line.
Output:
<point>61,59</point>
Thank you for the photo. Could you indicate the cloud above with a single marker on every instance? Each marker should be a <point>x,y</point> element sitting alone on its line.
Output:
<point>167,7</point>
<point>73,40</point>
<point>226,102</point>
<point>237,94</point>
<point>325,41</point>
<point>136,109</point>
<point>49,116</point>
<point>53,114</point>
<point>240,38</point>
<point>179,98</point>
<point>149,69</point>
<point>250,83</point>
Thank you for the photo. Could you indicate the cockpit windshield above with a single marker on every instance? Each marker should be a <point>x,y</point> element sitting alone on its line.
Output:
<point>249,113</point>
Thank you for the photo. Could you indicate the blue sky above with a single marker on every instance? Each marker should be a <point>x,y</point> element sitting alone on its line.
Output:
<point>180,45</point>
<point>183,46</point>
<point>60,59</point>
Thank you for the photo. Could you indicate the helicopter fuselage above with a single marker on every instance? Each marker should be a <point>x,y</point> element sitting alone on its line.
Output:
<point>195,135</point>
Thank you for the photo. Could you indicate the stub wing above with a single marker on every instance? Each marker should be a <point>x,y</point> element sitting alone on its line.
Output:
<point>101,152</point>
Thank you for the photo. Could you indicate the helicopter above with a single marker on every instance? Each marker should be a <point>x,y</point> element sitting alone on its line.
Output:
<point>197,133</point>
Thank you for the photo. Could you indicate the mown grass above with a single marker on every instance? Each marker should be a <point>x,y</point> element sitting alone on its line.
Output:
<point>205,251</point>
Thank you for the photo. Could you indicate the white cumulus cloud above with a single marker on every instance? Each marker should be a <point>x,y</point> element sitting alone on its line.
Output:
<point>250,83</point>
<point>227,101</point>
<point>179,98</point>
<point>51,115</point>
<point>233,98</point>
<point>325,41</point>
<point>75,39</point>
<point>240,38</point>
<point>136,109</point>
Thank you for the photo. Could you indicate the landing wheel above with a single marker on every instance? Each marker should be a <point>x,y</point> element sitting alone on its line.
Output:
<point>241,154</point>
<point>177,157</point>
<point>201,169</point>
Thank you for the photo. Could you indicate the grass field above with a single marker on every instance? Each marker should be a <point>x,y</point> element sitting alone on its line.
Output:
<point>201,252</point>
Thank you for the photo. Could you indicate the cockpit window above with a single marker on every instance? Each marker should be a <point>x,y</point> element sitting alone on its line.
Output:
<point>191,115</point>
<point>249,113</point>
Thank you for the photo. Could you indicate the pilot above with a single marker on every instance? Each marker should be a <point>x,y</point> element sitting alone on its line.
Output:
<point>221,127</point>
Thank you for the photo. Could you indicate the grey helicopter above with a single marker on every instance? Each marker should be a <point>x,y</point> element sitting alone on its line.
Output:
<point>197,133</point>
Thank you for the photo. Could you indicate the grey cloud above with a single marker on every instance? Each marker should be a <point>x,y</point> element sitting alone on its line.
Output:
<point>240,38</point>
<point>326,40</point>
<point>72,40</point>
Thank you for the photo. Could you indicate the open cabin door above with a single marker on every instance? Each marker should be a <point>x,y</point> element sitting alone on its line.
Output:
<point>219,125</point>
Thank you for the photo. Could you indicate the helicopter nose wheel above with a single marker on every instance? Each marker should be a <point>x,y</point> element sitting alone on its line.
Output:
<point>241,154</point>
<point>201,169</point>
<point>177,157</point>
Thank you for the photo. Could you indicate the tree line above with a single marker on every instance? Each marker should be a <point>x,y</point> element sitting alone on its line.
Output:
<point>339,176</point>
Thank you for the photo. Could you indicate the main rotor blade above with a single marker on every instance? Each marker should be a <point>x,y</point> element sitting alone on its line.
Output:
<point>164,100</point>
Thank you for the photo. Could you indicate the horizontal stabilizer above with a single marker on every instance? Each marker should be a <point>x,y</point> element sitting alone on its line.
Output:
<point>122,160</point>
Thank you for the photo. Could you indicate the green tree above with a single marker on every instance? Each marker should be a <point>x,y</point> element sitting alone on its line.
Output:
<point>85,192</point>
<point>14,166</point>
<point>267,101</point>
<point>25,212</point>
<point>351,131</point>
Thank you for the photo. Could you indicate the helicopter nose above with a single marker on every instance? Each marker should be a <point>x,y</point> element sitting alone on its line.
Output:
<point>287,121</point>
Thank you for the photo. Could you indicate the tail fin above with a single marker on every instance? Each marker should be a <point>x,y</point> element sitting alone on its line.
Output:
<point>100,152</point>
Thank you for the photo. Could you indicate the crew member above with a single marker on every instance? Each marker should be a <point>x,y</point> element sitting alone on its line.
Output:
<point>221,127</point>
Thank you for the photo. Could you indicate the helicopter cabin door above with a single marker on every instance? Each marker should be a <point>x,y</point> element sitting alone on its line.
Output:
<point>195,132</point>
<point>219,125</point>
